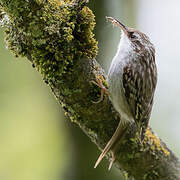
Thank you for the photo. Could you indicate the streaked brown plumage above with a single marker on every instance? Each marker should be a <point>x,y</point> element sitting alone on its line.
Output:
<point>132,79</point>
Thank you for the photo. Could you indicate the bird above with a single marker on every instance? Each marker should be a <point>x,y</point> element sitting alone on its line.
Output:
<point>131,79</point>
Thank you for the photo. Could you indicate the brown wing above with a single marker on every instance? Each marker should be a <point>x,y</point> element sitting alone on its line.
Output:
<point>139,82</point>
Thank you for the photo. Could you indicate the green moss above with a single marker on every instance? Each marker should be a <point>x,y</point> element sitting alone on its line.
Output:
<point>155,143</point>
<point>55,34</point>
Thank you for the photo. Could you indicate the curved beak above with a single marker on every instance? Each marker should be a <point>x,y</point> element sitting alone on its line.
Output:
<point>118,23</point>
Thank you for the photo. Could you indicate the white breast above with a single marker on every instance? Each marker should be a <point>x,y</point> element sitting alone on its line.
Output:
<point>122,57</point>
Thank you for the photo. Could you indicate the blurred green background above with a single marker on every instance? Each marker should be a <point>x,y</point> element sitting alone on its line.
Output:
<point>32,130</point>
<point>38,143</point>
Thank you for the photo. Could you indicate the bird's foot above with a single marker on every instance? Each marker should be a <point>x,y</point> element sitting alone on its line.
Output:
<point>99,83</point>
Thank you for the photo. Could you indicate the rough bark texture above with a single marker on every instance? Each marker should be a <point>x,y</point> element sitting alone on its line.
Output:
<point>56,36</point>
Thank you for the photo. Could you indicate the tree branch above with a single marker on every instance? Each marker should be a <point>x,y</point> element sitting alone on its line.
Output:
<point>56,36</point>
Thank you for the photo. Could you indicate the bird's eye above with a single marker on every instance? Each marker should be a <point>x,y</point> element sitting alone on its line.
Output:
<point>132,36</point>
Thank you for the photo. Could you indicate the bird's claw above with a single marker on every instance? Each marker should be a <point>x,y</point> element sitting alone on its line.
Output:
<point>99,83</point>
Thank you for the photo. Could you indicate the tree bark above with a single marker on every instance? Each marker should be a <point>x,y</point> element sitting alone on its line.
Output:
<point>56,36</point>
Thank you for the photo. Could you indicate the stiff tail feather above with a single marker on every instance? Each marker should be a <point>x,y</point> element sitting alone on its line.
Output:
<point>111,144</point>
<point>105,151</point>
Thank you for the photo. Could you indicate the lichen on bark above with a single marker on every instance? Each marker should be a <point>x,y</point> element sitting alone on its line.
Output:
<point>56,34</point>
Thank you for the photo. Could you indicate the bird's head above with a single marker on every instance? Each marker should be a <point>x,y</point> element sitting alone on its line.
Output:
<point>138,40</point>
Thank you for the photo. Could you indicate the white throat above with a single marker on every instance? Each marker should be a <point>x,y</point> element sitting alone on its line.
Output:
<point>125,45</point>
<point>124,50</point>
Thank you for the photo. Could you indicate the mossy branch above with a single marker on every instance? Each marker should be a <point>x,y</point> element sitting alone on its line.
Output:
<point>56,36</point>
